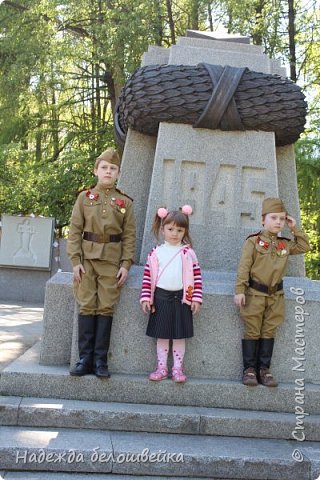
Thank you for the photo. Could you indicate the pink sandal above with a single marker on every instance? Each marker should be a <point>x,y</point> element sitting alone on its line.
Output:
<point>178,376</point>
<point>161,373</point>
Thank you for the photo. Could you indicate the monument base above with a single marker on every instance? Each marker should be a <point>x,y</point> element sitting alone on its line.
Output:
<point>215,350</point>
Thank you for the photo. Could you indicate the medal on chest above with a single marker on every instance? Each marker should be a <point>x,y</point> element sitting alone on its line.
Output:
<point>281,249</point>
<point>262,243</point>
<point>92,196</point>
<point>119,203</point>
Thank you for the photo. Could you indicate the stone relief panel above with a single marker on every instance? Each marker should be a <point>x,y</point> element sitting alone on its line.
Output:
<point>26,242</point>
<point>224,177</point>
<point>230,193</point>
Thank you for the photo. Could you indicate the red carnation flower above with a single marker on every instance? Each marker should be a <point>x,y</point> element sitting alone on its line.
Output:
<point>92,196</point>
<point>120,202</point>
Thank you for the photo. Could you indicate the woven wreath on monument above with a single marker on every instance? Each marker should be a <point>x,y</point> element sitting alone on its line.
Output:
<point>211,96</point>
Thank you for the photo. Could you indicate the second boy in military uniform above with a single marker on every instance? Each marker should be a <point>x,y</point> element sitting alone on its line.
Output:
<point>259,288</point>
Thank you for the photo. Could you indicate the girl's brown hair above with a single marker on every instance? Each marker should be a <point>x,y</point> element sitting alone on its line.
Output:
<point>179,218</point>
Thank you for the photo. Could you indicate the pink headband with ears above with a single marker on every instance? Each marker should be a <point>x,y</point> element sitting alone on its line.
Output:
<point>163,212</point>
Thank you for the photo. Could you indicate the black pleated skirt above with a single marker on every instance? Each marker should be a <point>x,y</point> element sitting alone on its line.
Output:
<point>172,319</point>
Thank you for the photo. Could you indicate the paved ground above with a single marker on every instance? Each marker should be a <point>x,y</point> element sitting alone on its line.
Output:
<point>20,328</point>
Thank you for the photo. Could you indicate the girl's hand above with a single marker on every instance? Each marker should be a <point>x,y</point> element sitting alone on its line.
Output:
<point>122,276</point>
<point>291,222</point>
<point>147,307</point>
<point>240,299</point>
<point>195,307</point>
<point>78,270</point>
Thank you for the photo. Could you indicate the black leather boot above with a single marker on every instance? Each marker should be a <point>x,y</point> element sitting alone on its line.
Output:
<point>86,336</point>
<point>101,346</point>
<point>264,359</point>
<point>249,354</point>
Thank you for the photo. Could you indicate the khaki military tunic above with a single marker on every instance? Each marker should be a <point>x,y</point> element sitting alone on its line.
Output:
<point>264,259</point>
<point>104,212</point>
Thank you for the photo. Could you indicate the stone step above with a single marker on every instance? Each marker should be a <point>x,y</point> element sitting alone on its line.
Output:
<point>26,378</point>
<point>79,476</point>
<point>57,413</point>
<point>82,476</point>
<point>128,453</point>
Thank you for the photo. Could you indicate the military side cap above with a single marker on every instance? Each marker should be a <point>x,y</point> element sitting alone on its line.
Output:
<point>110,155</point>
<point>272,205</point>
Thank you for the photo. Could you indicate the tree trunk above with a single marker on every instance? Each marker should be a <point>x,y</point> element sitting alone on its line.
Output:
<point>230,19</point>
<point>113,92</point>
<point>55,127</point>
<point>195,15</point>
<point>292,44</point>
<point>257,36</point>
<point>93,103</point>
<point>210,17</point>
<point>158,23</point>
<point>171,21</point>
<point>39,141</point>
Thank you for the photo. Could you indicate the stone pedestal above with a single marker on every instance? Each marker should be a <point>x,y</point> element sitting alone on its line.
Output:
<point>215,350</point>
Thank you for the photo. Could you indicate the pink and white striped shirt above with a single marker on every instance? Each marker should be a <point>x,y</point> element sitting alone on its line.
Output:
<point>191,276</point>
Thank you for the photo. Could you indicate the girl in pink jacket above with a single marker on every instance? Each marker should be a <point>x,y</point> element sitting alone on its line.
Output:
<point>171,290</point>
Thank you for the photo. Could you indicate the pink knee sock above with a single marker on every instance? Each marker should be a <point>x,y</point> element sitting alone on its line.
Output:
<point>162,352</point>
<point>178,350</point>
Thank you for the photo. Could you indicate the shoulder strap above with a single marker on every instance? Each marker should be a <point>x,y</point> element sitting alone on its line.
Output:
<point>124,194</point>
<point>167,264</point>
<point>253,234</point>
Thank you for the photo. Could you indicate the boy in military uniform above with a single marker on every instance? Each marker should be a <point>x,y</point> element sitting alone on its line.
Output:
<point>101,248</point>
<point>259,288</point>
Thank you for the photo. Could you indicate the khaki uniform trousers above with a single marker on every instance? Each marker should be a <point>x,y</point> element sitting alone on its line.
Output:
<point>97,293</point>
<point>262,315</point>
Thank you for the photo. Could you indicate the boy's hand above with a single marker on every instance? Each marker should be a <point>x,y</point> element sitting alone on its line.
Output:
<point>77,272</point>
<point>195,307</point>
<point>291,222</point>
<point>147,307</point>
<point>240,299</point>
<point>122,276</point>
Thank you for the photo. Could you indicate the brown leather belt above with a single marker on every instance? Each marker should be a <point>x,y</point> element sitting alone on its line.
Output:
<point>264,288</point>
<point>95,237</point>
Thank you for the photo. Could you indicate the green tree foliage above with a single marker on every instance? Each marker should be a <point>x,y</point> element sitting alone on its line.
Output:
<point>308,147</point>
<point>62,65</point>
<point>308,170</point>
